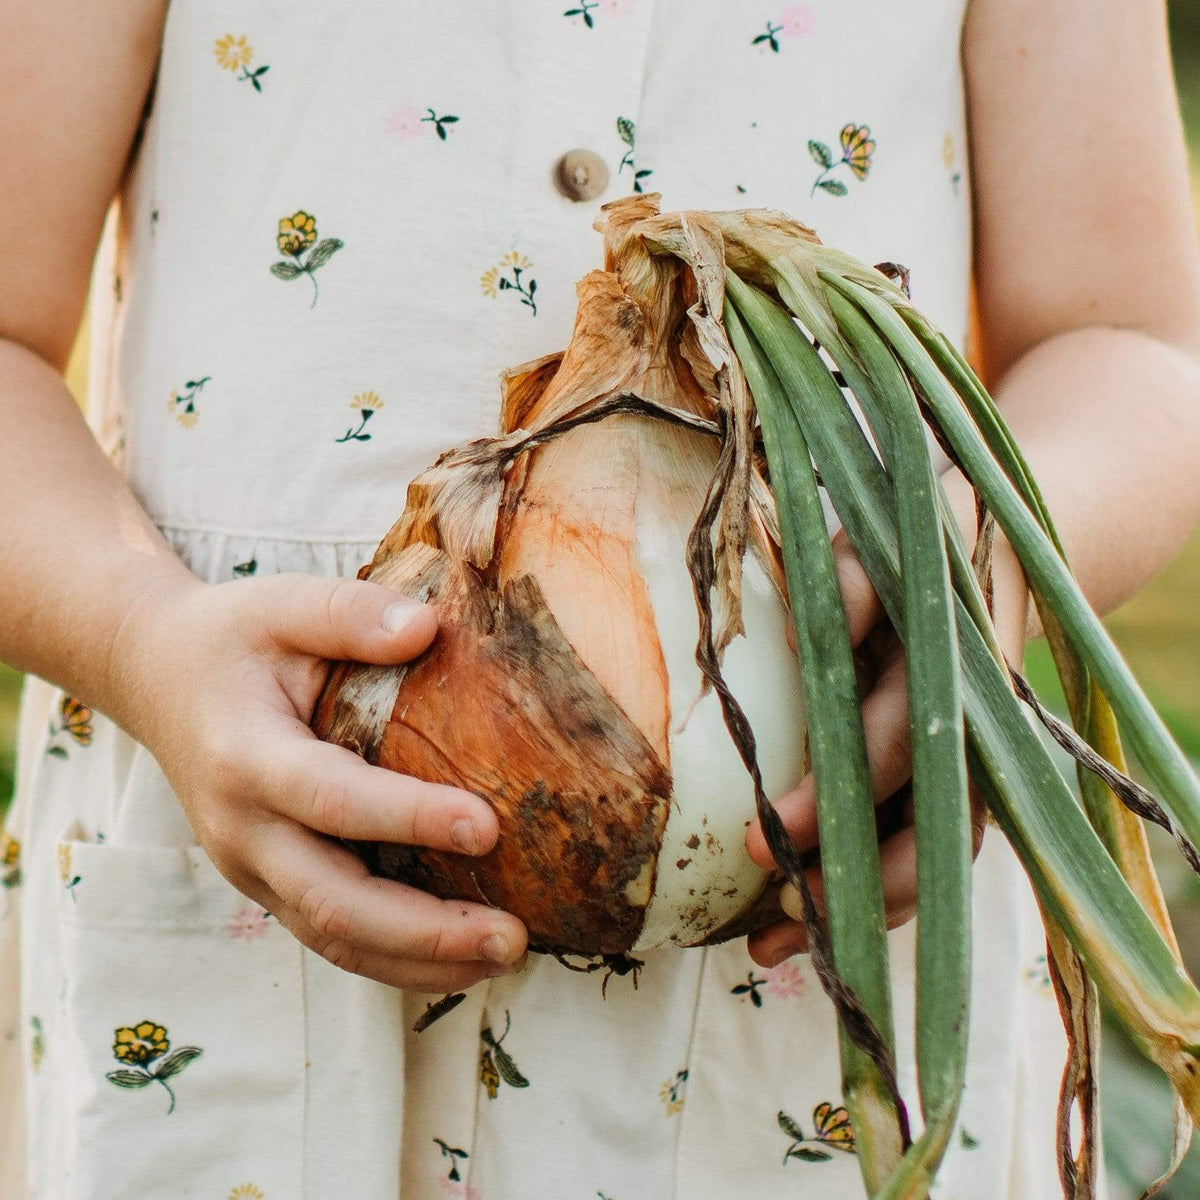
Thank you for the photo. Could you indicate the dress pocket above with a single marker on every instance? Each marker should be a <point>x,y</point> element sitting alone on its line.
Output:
<point>183,1017</point>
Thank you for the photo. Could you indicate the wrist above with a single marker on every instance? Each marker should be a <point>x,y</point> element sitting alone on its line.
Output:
<point>145,646</point>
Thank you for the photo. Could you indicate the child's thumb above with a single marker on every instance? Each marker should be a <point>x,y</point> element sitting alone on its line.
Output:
<point>348,618</point>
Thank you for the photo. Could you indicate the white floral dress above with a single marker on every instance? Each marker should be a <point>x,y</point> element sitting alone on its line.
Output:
<point>341,223</point>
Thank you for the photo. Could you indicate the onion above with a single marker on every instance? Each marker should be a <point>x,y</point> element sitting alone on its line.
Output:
<point>563,686</point>
<point>611,673</point>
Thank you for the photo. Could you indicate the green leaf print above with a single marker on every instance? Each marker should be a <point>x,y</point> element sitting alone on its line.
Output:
<point>175,1062</point>
<point>807,1154</point>
<point>366,404</point>
<point>835,187</point>
<point>627,132</point>
<point>37,1044</point>
<point>771,37</point>
<point>453,1153</point>
<point>322,252</point>
<point>585,11</point>
<point>284,270</point>
<point>750,989</point>
<point>496,1064</point>
<point>510,275</point>
<point>439,123</point>
<point>508,1069</point>
<point>821,153</point>
<point>789,1126</point>
<point>129,1079</point>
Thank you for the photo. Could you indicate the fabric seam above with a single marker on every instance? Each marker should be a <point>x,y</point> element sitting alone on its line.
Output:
<point>487,995</point>
<point>685,1115</point>
<point>250,535</point>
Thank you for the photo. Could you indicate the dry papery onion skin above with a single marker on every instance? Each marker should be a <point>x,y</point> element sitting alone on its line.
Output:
<point>622,800</point>
<point>611,573</point>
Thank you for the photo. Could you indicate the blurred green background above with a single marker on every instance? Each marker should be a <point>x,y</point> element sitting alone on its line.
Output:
<point>1159,632</point>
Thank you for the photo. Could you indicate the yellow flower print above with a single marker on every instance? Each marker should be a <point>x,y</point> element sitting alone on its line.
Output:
<point>10,868</point>
<point>671,1093</point>
<point>366,404</point>
<point>831,1131</point>
<point>75,721</point>
<point>12,851</point>
<point>247,1191</point>
<point>296,238</point>
<point>297,233</point>
<point>142,1051</point>
<point>142,1044</point>
<point>858,147</point>
<point>488,1075</point>
<point>510,275</point>
<point>182,404</point>
<point>234,54</point>
<point>858,150</point>
<point>66,878</point>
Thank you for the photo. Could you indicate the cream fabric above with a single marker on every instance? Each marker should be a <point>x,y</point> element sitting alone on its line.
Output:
<point>268,391</point>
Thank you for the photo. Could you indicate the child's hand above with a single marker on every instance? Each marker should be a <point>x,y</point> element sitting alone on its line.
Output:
<point>885,725</point>
<point>226,677</point>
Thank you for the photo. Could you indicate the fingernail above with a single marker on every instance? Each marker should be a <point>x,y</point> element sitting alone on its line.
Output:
<point>783,954</point>
<point>508,968</point>
<point>464,835</point>
<point>791,902</point>
<point>495,948</point>
<point>396,616</point>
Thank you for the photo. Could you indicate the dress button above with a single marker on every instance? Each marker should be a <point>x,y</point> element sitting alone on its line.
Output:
<point>581,175</point>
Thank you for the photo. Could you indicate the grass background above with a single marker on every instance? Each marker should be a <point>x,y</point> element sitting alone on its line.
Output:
<point>1159,632</point>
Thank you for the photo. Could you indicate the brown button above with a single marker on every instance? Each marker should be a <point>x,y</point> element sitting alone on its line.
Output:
<point>581,175</point>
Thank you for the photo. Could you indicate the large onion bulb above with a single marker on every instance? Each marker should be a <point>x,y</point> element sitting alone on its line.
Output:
<point>563,686</point>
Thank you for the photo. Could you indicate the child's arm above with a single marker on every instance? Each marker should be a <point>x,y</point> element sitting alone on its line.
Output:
<point>1088,273</point>
<point>1089,291</point>
<point>218,681</point>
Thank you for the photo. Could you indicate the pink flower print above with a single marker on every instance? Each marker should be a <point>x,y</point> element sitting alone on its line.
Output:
<point>785,981</point>
<point>615,8</point>
<point>460,1190</point>
<point>249,923</point>
<point>797,21</point>
<point>404,124</point>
